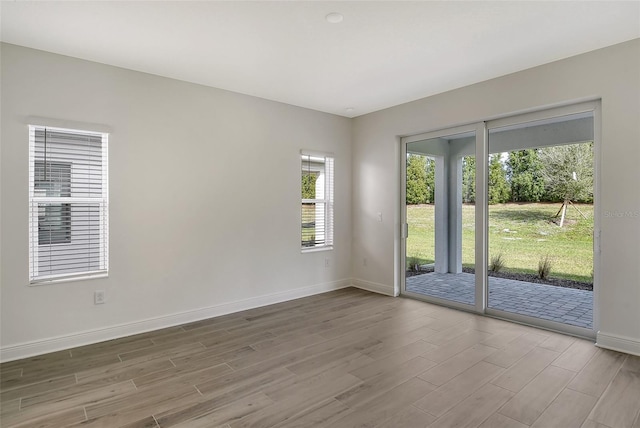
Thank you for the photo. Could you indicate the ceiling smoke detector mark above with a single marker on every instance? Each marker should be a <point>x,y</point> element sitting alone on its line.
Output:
<point>334,18</point>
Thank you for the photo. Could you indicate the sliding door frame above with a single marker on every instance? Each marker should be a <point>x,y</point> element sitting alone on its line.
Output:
<point>481,130</point>
<point>478,129</point>
<point>553,113</point>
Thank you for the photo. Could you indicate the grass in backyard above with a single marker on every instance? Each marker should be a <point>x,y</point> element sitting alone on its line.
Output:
<point>521,233</point>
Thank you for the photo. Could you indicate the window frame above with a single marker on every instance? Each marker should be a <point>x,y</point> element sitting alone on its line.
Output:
<point>98,266</point>
<point>327,174</point>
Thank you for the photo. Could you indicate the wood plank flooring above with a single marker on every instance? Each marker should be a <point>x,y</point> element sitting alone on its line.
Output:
<point>348,358</point>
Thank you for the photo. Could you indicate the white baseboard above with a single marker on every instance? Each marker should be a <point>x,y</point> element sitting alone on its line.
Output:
<point>39,347</point>
<point>374,287</point>
<point>618,343</point>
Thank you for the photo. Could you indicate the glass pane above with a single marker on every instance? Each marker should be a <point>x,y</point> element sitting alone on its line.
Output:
<point>79,237</point>
<point>540,199</point>
<point>316,209</point>
<point>440,197</point>
<point>313,224</point>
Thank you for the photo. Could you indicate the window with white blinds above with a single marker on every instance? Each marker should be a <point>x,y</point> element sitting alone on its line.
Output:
<point>317,201</point>
<point>68,204</point>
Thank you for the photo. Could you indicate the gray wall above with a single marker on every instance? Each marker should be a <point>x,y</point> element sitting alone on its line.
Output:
<point>204,201</point>
<point>612,74</point>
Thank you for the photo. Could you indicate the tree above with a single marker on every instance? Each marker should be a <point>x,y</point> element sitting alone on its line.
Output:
<point>417,192</point>
<point>524,172</point>
<point>568,172</point>
<point>469,179</point>
<point>309,185</point>
<point>431,179</point>
<point>498,185</point>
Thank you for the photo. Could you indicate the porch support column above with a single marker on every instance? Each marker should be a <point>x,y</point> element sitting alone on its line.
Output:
<point>454,164</point>
<point>441,215</point>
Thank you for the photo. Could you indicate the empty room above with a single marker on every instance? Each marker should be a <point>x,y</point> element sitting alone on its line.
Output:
<point>320,214</point>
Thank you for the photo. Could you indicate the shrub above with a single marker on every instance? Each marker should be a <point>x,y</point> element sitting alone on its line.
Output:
<point>413,264</point>
<point>544,267</point>
<point>496,263</point>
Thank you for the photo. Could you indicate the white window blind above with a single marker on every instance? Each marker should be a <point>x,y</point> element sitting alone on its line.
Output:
<point>68,204</point>
<point>317,200</point>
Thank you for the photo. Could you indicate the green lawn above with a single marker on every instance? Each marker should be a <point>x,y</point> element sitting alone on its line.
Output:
<point>521,233</point>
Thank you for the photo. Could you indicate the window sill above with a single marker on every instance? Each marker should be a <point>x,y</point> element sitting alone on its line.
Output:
<point>46,281</point>
<point>316,249</point>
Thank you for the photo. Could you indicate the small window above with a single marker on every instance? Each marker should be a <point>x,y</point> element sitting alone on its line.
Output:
<point>317,201</point>
<point>68,200</point>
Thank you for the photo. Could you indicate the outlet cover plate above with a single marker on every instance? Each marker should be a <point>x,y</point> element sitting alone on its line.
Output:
<point>99,297</point>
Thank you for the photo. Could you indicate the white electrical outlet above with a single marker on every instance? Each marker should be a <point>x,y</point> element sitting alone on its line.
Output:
<point>364,261</point>
<point>326,263</point>
<point>99,297</point>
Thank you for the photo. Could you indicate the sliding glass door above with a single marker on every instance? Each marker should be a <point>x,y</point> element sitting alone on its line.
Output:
<point>541,218</point>
<point>439,212</point>
<point>511,235</point>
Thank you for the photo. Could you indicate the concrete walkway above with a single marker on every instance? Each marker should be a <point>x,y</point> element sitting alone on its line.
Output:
<point>565,305</point>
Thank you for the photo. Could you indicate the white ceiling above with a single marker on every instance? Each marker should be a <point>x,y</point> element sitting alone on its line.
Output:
<point>382,54</point>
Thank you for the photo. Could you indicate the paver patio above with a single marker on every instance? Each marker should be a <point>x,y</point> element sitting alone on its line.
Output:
<point>565,305</point>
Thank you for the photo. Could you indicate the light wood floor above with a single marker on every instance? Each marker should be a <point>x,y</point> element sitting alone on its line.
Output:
<point>341,359</point>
